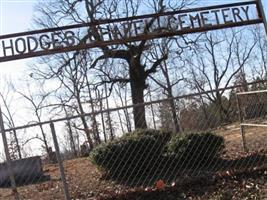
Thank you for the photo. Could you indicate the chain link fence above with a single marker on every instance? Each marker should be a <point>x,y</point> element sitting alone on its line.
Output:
<point>190,137</point>
<point>252,115</point>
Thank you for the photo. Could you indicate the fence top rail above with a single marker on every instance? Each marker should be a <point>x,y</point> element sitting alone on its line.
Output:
<point>252,92</point>
<point>129,106</point>
<point>255,125</point>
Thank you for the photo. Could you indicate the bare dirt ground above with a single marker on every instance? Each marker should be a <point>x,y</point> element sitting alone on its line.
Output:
<point>85,180</point>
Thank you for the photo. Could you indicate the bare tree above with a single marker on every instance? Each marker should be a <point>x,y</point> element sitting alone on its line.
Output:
<point>73,78</point>
<point>215,64</point>
<point>131,56</point>
<point>109,121</point>
<point>152,108</point>
<point>7,96</point>
<point>260,54</point>
<point>168,82</point>
<point>122,94</point>
<point>37,103</point>
<point>68,124</point>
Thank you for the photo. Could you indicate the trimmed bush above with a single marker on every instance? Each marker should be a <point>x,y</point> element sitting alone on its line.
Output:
<point>196,148</point>
<point>133,155</point>
<point>151,154</point>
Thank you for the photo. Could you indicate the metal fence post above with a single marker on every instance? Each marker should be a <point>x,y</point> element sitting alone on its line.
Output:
<point>8,158</point>
<point>60,163</point>
<point>263,16</point>
<point>241,126</point>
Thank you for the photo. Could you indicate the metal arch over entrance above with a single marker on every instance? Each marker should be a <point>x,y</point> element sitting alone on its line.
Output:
<point>123,30</point>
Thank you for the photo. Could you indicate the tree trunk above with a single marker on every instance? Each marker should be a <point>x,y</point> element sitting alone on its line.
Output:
<point>176,127</point>
<point>137,76</point>
<point>138,85</point>
<point>128,120</point>
<point>86,128</point>
<point>152,109</point>
<point>42,132</point>
<point>17,143</point>
<point>103,120</point>
<point>138,111</point>
<point>93,117</point>
<point>72,143</point>
<point>108,114</point>
<point>125,111</point>
<point>222,111</point>
<point>122,129</point>
<point>44,138</point>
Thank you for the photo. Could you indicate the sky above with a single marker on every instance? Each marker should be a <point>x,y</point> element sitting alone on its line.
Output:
<point>12,23</point>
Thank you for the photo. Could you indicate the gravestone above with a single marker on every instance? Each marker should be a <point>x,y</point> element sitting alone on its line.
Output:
<point>52,157</point>
<point>85,150</point>
<point>26,171</point>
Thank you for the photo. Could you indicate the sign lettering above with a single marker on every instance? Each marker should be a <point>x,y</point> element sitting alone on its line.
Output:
<point>125,30</point>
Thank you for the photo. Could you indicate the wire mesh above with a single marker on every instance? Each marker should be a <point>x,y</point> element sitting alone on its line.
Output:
<point>35,168</point>
<point>199,138</point>
<point>253,107</point>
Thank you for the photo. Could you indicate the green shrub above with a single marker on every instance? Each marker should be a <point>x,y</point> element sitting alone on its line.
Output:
<point>135,154</point>
<point>196,148</point>
<point>151,154</point>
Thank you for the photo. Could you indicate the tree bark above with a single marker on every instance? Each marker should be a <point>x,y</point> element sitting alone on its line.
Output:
<point>17,143</point>
<point>93,116</point>
<point>44,139</point>
<point>138,111</point>
<point>152,109</point>
<point>108,114</point>
<point>137,82</point>
<point>176,127</point>
<point>86,128</point>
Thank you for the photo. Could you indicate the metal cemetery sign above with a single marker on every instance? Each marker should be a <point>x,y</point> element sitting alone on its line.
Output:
<point>124,30</point>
